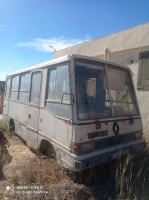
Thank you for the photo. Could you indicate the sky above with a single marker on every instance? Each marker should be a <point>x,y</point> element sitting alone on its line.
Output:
<point>29,27</point>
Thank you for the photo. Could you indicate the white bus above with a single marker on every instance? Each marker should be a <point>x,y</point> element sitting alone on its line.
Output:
<point>80,110</point>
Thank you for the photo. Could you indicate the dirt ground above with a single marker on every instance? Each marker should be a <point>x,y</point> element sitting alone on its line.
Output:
<point>26,175</point>
<point>14,156</point>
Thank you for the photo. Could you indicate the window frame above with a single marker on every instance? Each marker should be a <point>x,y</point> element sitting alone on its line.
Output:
<point>47,82</point>
<point>6,90</point>
<point>25,91</point>
<point>33,72</point>
<point>105,65</point>
<point>14,90</point>
<point>142,84</point>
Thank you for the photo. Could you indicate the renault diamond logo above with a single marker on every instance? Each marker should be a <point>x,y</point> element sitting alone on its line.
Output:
<point>116,128</point>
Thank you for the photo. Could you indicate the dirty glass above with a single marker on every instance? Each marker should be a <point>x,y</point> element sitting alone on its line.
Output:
<point>25,82</point>
<point>25,87</point>
<point>15,83</point>
<point>24,96</point>
<point>121,92</point>
<point>62,84</point>
<point>58,92</point>
<point>15,87</point>
<point>145,67</point>
<point>58,84</point>
<point>91,89</point>
<point>62,110</point>
<point>35,87</point>
<point>51,83</point>
<point>8,87</point>
<point>143,75</point>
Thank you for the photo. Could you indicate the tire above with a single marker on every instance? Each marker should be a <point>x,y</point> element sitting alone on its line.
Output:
<point>51,152</point>
<point>12,126</point>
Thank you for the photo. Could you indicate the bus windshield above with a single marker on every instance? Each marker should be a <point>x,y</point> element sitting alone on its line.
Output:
<point>103,93</point>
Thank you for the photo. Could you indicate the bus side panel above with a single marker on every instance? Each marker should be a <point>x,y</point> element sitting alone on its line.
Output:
<point>21,130</point>
<point>22,112</point>
<point>6,106</point>
<point>32,138</point>
<point>56,129</point>
<point>33,116</point>
<point>18,111</point>
<point>14,109</point>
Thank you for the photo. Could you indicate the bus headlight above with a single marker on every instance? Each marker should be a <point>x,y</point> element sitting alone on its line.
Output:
<point>76,148</point>
<point>87,147</point>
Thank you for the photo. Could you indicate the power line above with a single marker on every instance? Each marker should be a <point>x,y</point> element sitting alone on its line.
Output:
<point>48,55</point>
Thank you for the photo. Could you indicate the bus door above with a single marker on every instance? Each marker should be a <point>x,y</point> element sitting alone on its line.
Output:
<point>34,109</point>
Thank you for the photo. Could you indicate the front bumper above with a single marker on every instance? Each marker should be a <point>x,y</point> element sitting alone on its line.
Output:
<point>119,151</point>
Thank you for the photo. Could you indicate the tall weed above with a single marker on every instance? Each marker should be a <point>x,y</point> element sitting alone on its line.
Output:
<point>132,177</point>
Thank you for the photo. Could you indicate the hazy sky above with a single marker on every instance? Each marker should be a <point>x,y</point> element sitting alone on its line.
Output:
<point>28,27</point>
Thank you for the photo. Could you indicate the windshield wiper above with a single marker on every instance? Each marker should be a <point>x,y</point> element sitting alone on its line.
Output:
<point>128,106</point>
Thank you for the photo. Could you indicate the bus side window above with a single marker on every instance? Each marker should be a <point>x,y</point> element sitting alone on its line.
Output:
<point>14,87</point>
<point>58,91</point>
<point>35,87</point>
<point>58,84</point>
<point>25,87</point>
<point>62,84</point>
<point>8,87</point>
<point>51,83</point>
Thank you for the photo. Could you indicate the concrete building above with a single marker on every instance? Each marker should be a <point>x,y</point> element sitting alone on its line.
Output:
<point>129,47</point>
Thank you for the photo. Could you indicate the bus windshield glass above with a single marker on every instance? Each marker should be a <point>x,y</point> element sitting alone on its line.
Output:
<point>103,93</point>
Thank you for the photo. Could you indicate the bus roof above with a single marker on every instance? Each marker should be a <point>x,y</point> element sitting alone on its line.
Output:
<point>42,65</point>
<point>63,59</point>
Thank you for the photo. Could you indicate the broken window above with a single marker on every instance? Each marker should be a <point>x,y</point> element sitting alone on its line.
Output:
<point>103,93</point>
<point>143,73</point>
<point>91,89</point>
<point>121,92</point>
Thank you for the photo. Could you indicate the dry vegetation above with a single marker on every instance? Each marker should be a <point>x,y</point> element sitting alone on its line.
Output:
<point>132,177</point>
<point>121,179</point>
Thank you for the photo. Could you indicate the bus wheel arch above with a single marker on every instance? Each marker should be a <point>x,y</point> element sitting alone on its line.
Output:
<point>12,125</point>
<point>47,149</point>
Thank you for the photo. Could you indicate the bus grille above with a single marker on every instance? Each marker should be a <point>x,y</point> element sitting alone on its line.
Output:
<point>116,140</point>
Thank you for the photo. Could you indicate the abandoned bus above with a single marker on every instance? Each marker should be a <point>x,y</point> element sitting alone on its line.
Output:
<point>80,110</point>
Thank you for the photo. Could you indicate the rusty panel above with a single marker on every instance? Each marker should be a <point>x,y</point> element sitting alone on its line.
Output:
<point>55,128</point>
<point>124,127</point>
<point>33,117</point>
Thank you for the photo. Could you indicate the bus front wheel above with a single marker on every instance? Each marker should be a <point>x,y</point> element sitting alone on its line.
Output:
<point>47,149</point>
<point>12,126</point>
<point>51,152</point>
